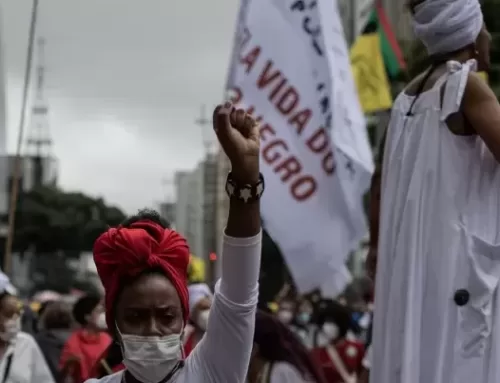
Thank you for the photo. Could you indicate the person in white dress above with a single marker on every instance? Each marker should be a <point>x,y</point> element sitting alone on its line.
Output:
<point>438,270</point>
<point>143,267</point>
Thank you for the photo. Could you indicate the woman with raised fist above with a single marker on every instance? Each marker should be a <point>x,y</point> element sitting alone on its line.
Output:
<point>143,267</point>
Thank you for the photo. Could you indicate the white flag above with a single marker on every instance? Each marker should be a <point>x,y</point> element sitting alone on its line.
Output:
<point>291,68</point>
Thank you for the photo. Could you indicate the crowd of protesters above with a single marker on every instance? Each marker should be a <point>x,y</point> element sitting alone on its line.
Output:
<point>299,339</point>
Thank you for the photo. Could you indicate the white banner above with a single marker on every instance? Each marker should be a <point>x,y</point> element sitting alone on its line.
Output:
<point>291,68</point>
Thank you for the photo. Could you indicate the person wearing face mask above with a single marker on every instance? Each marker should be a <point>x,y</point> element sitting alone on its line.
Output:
<point>54,328</point>
<point>302,324</point>
<point>21,360</point>
<point>340,357</point>
<point>286,312</point>
<point>143,266</point>
<point>85,345</point>
<point>200,300</point>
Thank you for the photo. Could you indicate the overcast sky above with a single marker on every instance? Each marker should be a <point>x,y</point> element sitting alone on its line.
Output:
<point>125,82</point>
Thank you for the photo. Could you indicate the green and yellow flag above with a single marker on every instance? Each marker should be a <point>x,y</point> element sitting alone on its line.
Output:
<point>376,58</point>
<point>369,74</point>
<point>196,270</point>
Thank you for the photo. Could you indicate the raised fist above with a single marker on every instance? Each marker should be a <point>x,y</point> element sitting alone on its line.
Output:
<point>238,134</point>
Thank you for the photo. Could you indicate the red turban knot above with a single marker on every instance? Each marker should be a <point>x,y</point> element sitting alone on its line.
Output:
<point>125,252</point>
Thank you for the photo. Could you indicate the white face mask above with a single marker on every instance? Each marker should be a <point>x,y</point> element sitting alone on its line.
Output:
<point>11,329</point>
<point>331,331</point>
<point>202,319</point>
<point>151,358</point>
<point>285,316</point>
<point>101,322</point>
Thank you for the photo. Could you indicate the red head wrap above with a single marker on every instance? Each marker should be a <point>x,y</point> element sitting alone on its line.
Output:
<point>123,253</point>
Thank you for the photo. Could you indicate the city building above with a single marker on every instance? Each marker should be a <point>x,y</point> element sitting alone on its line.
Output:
<point>195,209</point>
<point>221,201</point>
<point>210,209</point>
<point>168,211</point>
<point>181,184</point>
<point>189,208</point>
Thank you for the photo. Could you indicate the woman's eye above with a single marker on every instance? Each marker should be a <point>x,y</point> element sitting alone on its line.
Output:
<point>167,315</point>
<point>133,317</point>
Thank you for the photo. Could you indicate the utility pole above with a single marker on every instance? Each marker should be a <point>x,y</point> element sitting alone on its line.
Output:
<point>39,140</point>
<point>206,124</point>
<point>14,191</point>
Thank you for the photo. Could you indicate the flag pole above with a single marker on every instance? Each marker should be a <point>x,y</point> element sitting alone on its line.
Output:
<point>18,160</point>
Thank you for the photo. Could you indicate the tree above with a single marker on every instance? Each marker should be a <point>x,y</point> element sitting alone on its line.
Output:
<point>51,220</point>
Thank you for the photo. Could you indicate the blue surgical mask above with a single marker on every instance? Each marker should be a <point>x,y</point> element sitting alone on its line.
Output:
<point>304,318</point>
<point>356,316</point>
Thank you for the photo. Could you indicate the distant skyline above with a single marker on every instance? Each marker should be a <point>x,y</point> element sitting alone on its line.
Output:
<point>125,82</point>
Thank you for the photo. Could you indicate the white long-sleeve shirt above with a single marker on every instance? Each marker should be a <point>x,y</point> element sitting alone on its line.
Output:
<point>223,354</point>
<point>28,363</point>
<point>283,372</point>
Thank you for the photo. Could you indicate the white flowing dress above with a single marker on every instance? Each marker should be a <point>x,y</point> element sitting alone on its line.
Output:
<point>437,317</point>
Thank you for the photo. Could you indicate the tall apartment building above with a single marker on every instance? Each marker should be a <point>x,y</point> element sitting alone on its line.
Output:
<point>181,181</point>
<point>167,211</point>
<point>209,203</point>
<point>222,201</point>
<point>195,208</point>
<point>189,208</point>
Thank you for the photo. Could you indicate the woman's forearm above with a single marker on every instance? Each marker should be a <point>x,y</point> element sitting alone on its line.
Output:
<point>243,220</point>
<point>241,252</point>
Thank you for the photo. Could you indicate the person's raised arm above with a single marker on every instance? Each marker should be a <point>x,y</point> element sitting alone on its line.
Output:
<point>238,135</point>
<point>482,110</point>
<point>224,352</point>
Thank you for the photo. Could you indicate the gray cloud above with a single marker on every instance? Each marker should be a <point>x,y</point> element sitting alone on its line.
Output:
<point>125,80</point>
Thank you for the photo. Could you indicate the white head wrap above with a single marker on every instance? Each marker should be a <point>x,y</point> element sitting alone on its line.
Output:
<point>6,286</point>
<point>446,26</point>
<point>197,292</point>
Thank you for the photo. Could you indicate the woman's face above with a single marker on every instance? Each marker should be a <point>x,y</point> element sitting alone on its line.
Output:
<point>10,308</point>
<point>150,306</point>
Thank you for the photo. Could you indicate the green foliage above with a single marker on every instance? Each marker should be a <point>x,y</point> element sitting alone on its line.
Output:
<point>51,220</point>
